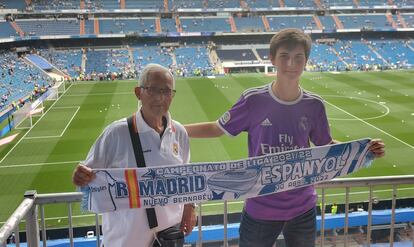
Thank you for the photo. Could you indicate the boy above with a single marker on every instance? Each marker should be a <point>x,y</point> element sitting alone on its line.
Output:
<point>279,116</point>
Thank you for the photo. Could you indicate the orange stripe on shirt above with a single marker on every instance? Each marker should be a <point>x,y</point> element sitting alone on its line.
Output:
<point>131,179</point>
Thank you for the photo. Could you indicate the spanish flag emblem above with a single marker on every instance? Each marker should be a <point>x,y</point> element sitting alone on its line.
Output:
<point>133,190</point>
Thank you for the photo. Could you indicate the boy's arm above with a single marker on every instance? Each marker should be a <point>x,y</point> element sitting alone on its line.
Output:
<point>203,130</point>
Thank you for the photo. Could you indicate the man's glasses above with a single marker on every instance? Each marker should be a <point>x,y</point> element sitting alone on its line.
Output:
<point>154,91</point>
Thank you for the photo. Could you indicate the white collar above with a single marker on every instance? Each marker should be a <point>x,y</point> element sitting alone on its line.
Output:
<point>142,126</point>
<point>282,101</point>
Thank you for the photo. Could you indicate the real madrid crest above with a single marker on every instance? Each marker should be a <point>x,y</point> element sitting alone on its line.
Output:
<point>175,148</point>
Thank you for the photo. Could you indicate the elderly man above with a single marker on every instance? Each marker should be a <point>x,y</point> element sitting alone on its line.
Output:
<point>164,141</point>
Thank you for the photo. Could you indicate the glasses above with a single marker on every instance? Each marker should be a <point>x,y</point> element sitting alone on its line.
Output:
<point>154,91</point>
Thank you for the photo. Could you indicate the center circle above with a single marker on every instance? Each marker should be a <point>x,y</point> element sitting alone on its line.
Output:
<point>387,110</point>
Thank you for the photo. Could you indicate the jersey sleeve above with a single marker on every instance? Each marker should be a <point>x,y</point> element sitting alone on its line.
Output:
<point>321,134</point>
<point>235,120</point>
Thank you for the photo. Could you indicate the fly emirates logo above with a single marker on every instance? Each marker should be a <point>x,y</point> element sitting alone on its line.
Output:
<point>285,144</point>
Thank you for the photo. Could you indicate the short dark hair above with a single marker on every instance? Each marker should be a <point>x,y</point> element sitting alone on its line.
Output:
<point>290,37</point>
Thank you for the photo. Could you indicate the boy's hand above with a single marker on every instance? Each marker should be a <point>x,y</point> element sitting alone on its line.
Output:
<point>377,147</point>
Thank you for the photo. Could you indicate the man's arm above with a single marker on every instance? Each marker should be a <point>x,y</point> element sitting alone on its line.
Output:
<point>203,130</point>
<point>189,219</point>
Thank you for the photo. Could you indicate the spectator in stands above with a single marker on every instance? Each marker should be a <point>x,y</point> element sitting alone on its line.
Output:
<point>283,116</point>
<point>158,134</point>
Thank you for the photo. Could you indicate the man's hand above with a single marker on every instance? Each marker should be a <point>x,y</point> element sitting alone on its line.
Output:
<point>82,175</point>
<point>377,147</point>
<point>189,219</point>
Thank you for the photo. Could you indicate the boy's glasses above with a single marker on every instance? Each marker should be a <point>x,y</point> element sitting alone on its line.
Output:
<point>154,91</point>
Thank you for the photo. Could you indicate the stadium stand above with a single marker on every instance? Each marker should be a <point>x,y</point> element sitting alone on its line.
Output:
<point>198,24</point>
<point>221,4</point>
<point>69,61</point>
<point>299,3</point>
<point>369,22</point>
<point>236,55</point>
<point>395,52</point>
<point>328,23</point>
<point>323,58</point>
<point>357,53</point>
<point>305,22</point>
<point>144,55</point>
<point>186,4</point>
<point>6,30</point>
<point>168,25</point>
<point>18,78</point>
<point>143,25</point>
<point>328,4</point>
<point>105,62</point>
<point>262,4</point>
<point>372,3</point>
<point>54,4</point>
<point>49,27</point>
<point>144,4</point>
<point>193,61</point>
<point>409,20</point>
<point>89,26</point>
<point>17,4</point>
<point>249,24</point>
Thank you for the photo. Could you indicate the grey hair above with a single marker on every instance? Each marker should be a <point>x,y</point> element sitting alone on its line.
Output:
<point>143,77</point>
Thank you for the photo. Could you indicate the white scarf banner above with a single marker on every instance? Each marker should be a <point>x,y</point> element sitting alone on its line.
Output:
<point>117,189</point>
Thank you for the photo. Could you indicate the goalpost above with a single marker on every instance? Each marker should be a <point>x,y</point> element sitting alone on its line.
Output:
<point>23,117</point>
<point>57,89</point>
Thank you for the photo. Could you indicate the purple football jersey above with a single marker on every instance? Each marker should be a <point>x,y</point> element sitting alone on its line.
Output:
<point>274,125</point>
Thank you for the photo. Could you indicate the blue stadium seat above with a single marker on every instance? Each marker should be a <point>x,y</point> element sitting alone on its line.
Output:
<point>236,55</point>
<point>221,4</point>
<point>68,61</point>
<point>333,3</point>
<point>198,24</point>
<point>262,4</point>
<point>144,4</point>
<point>144,55</point>
<point>168,25</point>
<point>143,25</point>
<point>6,30</point>
<point>15,4</point>
<point>409,20</point>
<point>55,4</point>
<point>323,58</point>
<point>249,24</point>
<point>356,53</point>
<point>193,59</point>
<point>395,52</point>
<point>50,27</point>
<point>263,53</point>
<point>186,4</point>
<point>372,3</point>
<point>17,78</point>
<point>365,21</point>
<point>327,22</point>
<point>304,22</point>
<point>107,61</point>
<point>299,3</point>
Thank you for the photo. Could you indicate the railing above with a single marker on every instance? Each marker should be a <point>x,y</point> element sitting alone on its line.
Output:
<point>34,202</point>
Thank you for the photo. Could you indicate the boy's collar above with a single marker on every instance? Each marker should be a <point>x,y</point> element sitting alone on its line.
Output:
<point>283,102</point>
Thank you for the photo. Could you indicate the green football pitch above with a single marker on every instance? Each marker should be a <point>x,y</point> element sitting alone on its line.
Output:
<point>359,104</point>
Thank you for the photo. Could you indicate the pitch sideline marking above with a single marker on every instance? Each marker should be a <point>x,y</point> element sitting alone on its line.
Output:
<point>18,142</point>
<point>64,130</point>
<point>41,164</point>
<point>98,94</point>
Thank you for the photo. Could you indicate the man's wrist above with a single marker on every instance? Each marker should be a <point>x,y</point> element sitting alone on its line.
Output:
<point>192,205</point>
